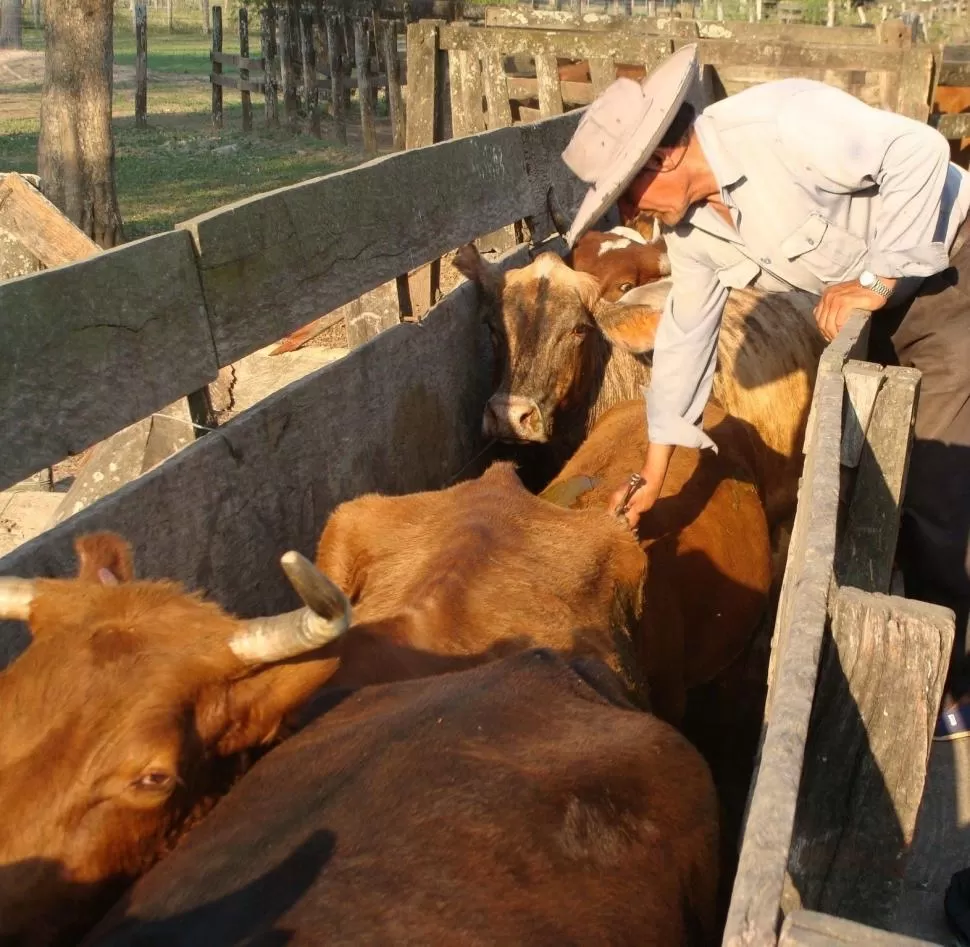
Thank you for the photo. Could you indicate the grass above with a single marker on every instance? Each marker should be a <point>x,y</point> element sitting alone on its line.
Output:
<point>180,166</point>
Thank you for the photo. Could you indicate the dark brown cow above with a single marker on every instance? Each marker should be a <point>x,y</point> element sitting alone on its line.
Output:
<point>620,260</point>
<point>524,802</point>
<point>124,718</point>
<point>565,356</point>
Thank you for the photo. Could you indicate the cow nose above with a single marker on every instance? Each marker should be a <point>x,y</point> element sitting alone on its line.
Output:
<point>510,417</point>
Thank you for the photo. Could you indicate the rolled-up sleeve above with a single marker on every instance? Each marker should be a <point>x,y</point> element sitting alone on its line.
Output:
<point>685,352</point>
<point>853,146</point>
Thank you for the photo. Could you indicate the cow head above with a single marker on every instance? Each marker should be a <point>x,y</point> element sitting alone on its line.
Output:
<point>620,259</point>
<point>552,334</point>
<point>125,716</point>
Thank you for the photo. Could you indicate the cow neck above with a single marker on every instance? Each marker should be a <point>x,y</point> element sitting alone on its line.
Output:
<point>623,378</point>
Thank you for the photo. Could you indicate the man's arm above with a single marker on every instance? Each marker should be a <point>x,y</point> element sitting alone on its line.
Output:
<point>684,358</point>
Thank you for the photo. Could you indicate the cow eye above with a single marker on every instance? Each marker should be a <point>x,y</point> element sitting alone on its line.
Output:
<point>155,781</point>
<point>580,329</point>
<point>626,287</point>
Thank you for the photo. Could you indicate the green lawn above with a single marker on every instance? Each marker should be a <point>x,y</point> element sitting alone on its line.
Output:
<point>180,166</point>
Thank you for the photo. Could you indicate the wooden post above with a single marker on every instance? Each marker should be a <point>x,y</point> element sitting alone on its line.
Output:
<point>335,52</point>
<point>244,94</point>
<point>830,19</point>
<point>286,64</point>
<point>310,92</point>
<point>35,9</point>
<point>141,65</point>
<point>170,14</point>
<point>206,19</point>
<point>392,69</point>
<point>268,50</point>
<point>880,682</point>
<point>422,126</point>
<point>216,66</point>
<point>364,96</point>
<point>547,79</point>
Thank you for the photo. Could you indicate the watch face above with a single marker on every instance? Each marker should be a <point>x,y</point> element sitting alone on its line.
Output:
<point>866,278</point>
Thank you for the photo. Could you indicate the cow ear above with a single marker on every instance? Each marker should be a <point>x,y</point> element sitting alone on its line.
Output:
<point>469,262</point>
<point>105,558</point>
<point>252,710</point>
<point>633,328</point>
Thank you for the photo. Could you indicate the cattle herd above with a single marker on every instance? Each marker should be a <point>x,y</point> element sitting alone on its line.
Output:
<point>499,717</point>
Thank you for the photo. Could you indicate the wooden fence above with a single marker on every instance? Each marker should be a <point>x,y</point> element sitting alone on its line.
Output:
<point>465,79</point>
<point>341,52</point>
<point>856,678</point>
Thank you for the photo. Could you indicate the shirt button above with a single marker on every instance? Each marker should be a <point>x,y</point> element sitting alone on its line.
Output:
<point>766,261</point>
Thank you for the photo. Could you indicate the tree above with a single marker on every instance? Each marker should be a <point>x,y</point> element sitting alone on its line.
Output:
<point>75,151</point>
<point>11,34</point>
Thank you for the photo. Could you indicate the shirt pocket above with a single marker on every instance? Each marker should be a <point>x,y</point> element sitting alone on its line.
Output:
<point>739,275</point>
<point>830,252</point>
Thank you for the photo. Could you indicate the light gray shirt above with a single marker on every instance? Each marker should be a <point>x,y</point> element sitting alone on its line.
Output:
<point>820,186</point>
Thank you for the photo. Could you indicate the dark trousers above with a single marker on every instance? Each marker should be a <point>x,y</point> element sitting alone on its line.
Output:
<point>932,334</point>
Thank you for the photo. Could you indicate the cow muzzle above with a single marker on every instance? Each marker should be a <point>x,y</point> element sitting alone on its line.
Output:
<point>513,418</point>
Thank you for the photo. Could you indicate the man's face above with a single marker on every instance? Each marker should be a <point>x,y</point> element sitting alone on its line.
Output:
<point>661,189</point>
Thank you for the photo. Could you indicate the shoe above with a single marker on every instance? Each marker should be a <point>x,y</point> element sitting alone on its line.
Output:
<point>956,905</point>
<point>953,722</point>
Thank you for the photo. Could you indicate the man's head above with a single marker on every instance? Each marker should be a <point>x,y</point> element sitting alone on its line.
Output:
<point>637,132</point>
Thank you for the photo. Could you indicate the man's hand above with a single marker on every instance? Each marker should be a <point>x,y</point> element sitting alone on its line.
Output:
<point>838,301</point>
<point>641,501</point>
<point>653,473</point>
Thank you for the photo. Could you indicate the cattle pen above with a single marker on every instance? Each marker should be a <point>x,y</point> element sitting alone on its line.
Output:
<point>857,671</point>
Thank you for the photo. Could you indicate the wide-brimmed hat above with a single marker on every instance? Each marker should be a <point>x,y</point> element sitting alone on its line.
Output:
<point>621,130</point>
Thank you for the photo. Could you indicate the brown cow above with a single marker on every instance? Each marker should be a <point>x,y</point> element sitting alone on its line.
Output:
<point>620,259</point>
<point>485,567</point>
<point>565,356</point>
<point>124,718</point>
<point>524,802</point>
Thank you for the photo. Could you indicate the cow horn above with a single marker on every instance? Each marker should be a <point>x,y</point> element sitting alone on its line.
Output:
<point>325,618</point>
<point>16,596</point>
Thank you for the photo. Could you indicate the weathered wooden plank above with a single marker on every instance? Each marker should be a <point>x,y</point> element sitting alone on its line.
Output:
<point>868,544</point>
<point>880,683</point>
<point>247,103</point>
<point>336,53</point>
<point>954,74</point>
<point>268,45</point>
<point>233,82</point>
<point>27,215</point>
<point>136,322</point>
<point>274,262</point>
<point>527,114</point>
<point>499,113</point>
<point>422,126</point>
<point>753,915</point>
<point>952,126</point>
<point>602,71</point>
<point>238,61</point>
<point>216,68</point>
<point>572,93</point>
<point>915,83</point>
<point>141,65</point>
<point>401,413</point>
<point>565,43</point>
<point>541,140</point>
<point>865,85</point>
<point>813,929</point>
<point>547,81</point>
<point>862,381</point>
<point>365,97</point>
<point>392,67</point>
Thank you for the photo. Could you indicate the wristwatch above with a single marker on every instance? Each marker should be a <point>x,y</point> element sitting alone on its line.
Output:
<point>871,281</point>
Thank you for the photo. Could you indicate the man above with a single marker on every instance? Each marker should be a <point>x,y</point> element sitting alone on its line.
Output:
<point>788,184</point>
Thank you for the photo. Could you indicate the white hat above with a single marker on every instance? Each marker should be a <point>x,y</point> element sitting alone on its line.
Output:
<point>622,129</point>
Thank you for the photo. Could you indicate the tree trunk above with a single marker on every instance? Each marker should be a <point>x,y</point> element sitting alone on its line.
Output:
<point>75,151</point>
<point>11,36</point>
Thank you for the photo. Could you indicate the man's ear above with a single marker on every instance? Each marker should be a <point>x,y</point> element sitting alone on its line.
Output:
<point>104,557</point>
<point>469,262</point>
<point>633,328</point>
